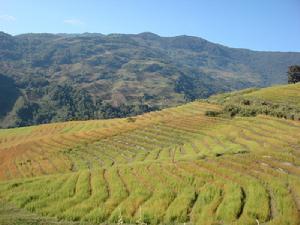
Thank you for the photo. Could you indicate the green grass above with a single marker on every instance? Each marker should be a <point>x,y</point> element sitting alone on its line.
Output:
<point>288,94</point>
<point>276,94</point>
<point>116,193</point>
<point>231,206</point>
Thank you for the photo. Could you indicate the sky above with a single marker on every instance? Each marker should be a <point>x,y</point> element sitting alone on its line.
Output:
<point>271,25</point>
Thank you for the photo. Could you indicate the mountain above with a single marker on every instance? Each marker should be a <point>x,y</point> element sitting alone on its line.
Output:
<point>129,74</point>
<point>173,166</point>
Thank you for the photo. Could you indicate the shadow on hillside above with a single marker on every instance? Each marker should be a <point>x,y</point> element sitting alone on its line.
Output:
<point>9,94</point>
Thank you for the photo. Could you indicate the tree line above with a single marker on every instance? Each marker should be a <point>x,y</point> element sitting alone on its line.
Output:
<point>65,103</point>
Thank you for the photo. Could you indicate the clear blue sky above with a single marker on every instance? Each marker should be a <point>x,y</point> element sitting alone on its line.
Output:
<point>254,24</point>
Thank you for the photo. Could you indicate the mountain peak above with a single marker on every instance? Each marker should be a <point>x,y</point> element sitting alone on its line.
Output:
<point>148,35</point>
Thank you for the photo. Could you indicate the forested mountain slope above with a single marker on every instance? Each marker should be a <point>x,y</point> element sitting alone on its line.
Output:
<point>142,71</point>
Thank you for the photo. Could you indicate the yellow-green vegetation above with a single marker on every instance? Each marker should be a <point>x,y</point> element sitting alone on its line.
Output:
<point>282,101</point>
<point>173,166</point>
<point>286,94</point>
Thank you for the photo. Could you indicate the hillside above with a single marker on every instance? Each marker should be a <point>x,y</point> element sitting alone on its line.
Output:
<point>172,166</point>
<point>280,94</point>
<point>281,101</point>
<point>143,72</point>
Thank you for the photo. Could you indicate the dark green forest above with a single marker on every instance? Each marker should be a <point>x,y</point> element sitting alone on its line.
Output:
<point>65,103</point>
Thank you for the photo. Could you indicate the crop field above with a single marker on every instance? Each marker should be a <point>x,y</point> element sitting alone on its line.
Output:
<point>286,94</point>
<point>175,166</point>
<point>70,146</point>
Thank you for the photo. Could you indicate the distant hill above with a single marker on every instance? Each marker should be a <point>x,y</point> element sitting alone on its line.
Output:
<point>123,69</point>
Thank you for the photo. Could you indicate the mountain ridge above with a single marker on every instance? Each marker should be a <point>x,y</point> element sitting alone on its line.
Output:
<point>148,34</point>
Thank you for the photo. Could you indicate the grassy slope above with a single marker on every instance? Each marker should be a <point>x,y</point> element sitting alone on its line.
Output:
<point>279,101</point>
<point>286,94</point>
<point>289,94</point>
<point>12,215</point>
<point>172,166</point>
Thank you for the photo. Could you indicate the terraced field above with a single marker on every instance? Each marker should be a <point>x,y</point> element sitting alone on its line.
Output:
<point>174,166</point>
<point>281,94</point>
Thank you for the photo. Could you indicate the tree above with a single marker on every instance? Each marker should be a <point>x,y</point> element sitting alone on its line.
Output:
<point>26,114</point>
<point>294,74</point>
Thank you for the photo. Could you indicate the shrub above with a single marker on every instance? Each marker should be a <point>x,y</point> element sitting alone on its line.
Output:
<point>212,113</point>
<point>131,120</point>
